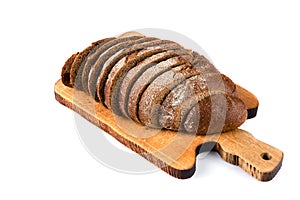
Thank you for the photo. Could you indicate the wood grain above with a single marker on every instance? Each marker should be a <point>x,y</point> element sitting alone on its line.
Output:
<point>176,152</point>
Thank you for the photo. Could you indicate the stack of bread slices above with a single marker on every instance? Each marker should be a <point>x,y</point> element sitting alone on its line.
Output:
<point>157,83</point>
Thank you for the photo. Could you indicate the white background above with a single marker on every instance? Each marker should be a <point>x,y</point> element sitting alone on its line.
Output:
<point>256,43</point>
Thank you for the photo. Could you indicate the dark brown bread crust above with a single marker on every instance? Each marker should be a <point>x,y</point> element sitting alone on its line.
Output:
<point>112,86</point>
<point>102,78</point>
<point>145,79</point>
<point>88,62</point>
<point>183,97</point>
<point>96,45</point>
<point>75,68</point>
<point>187,54</point>
<point>100,68</point>
<point>66,70</point>
<point>134,73</point>
<point>118,71</point>
<point>157,91</point>
<point>203,64</point>
<point>93,57</point>
<point>226,111</point>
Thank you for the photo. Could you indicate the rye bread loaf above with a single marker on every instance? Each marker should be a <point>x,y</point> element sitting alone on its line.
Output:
<point>145,79</point>
<point>112,86</point>
<point>157,83</point>
<point>99,68</point>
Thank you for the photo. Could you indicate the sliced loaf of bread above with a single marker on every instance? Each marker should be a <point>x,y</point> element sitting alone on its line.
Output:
<point>157,83</point>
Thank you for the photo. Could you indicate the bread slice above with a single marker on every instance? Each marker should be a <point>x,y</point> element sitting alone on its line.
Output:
<point>75,78</point>
<point>94,56</point>
<point>112,86</point>
<point>215,114</point>
<point>107,67</point>
<point>66,70</point>
<point>145,79</point>
<point>105,58</point>
<point>185,95</point>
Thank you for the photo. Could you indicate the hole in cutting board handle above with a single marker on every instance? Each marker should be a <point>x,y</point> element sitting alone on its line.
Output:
<point>266,156</point>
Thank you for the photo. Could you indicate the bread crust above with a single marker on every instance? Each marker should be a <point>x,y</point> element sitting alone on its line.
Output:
<point>134,73</point>
<point>76,70</point>
<point>107,67</point>
<point>66,70</point>
<point>187,94</point>
<point>157,91</point>
<point>145,79</point>
<point>232,113</point>
<point>91,59</point>
<point>101,63</point>
<point>129,63</point>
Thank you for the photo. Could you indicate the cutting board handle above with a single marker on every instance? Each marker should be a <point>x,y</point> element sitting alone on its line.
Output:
<point>257,158</point>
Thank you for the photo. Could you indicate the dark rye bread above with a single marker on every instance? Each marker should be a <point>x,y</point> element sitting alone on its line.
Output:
<point>203,64</point>
<point>134,75</point>
<point>208,116</point>
<point>105,58</point>
<point>112,86</point>
<point>135,72</point>
<point>88,52</point>
<point>94,56</point>
<point>66,70</point>
<point>157,91</point>
<point>77,63</point>
<point>185,95</point>
<point>118,71</point>
<point>145,79</point>
<point>187,54</point>
<point>101,81</point>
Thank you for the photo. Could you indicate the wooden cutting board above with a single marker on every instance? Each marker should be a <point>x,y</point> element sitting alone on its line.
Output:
<point>175,152</point>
